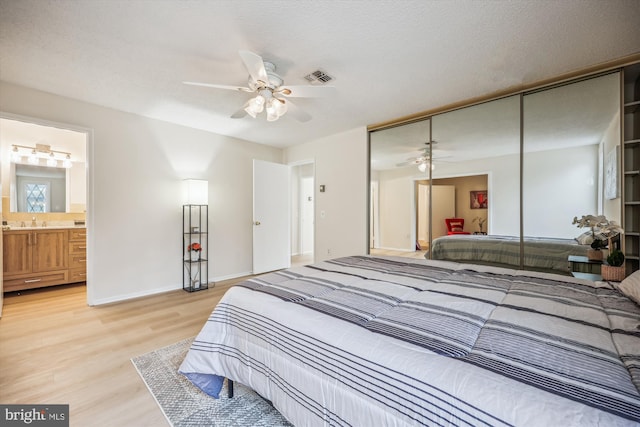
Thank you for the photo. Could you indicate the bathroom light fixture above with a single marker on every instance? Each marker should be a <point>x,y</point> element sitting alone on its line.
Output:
<point>51,161</point>
<point>15,155</point>
<point>40,151</point>
<point>33,157</point>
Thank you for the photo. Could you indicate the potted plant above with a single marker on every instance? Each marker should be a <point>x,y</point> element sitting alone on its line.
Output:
<point>595,253</point>
<point>480,222</point>
<point>194,249</point>
<point>613,270</point>
<point>602,230</point>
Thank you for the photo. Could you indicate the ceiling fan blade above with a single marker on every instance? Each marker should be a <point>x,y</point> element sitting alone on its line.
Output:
<point>297,113</point>
<point>240,88</point>
<point>306,91</point>
<point>255,66</point>
<point>241,112</point>
<point>409,162</point>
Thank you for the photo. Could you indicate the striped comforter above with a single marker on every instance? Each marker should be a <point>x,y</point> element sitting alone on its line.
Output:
<point>545,254</point>
<point>369,341</point>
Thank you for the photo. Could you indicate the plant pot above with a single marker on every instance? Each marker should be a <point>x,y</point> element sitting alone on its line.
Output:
<point>594,254</point>
<point>611,273</point>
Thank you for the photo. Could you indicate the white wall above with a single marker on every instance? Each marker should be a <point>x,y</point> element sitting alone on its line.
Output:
<point>341,166</point>
<point>134,216</point>
<point>558,186</point>
<point>548,213</point>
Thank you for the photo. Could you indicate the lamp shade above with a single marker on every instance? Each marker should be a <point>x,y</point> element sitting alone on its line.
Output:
<point>195,192</point>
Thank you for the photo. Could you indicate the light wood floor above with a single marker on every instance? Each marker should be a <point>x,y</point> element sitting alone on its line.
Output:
<point>54,349</point>
<point>387,252</point>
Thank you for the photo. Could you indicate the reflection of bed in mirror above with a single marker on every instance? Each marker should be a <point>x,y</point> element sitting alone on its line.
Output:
<point>540,253</point>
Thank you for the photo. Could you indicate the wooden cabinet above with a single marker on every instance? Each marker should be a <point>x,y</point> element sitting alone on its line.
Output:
<point>47,257</point>
<point>49,250</point>
<point>631,168</point>
<point>16,256</point>
<point>77,255</point>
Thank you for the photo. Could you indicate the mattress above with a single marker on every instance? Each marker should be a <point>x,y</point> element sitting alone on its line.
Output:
<point>365,340</point>
<point>540,253</point>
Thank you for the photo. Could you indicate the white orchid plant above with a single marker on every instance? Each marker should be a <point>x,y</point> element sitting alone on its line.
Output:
<point>602,230</point>
<point>480,220</point>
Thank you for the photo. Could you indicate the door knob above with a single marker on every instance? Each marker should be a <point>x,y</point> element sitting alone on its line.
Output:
<point>257,222</point>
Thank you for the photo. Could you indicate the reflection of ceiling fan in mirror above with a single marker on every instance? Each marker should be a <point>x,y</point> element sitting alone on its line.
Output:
<point>422,160</point>
<point>269,90</point>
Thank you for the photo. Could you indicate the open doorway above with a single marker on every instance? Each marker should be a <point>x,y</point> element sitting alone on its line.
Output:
<point>452,197</point>
<point>44,204</point>
<point>302,213</point>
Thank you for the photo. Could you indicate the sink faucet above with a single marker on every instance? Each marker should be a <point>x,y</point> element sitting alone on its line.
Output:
<point>33,222</point>
<point>22,224</point>
<point>44,223</point>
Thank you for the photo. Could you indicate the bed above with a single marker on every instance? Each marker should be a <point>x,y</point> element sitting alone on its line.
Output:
<point>372,341</point>
<point>540,253</point>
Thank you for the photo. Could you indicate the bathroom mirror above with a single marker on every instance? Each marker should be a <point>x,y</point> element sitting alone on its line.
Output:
<point>49,189</point>
<point>40,189</point>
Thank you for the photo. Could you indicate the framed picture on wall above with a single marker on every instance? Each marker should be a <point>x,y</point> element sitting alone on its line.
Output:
<point>479,199</point>
<point>611,174</point>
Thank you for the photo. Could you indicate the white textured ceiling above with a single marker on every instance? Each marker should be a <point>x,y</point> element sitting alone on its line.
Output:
<point>389,58</point>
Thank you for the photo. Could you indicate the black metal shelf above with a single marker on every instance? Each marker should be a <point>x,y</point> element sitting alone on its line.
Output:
<point>631,107</point>
<point>195,275</point>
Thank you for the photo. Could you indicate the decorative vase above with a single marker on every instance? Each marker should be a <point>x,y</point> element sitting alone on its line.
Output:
<point>611,273</point>
<point>195,255</point>
<point>594,254</point>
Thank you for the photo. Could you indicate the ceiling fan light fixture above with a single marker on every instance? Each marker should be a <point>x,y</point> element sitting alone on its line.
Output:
<point>272,111</point>
<point>280,106</point>
<point>272,116</point>
<point>422,167</point>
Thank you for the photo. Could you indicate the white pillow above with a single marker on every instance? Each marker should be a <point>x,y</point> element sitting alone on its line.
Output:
<point>585,238</point>
<point>631,287</point>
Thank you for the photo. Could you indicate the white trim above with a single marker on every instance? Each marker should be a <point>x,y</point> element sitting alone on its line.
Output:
<point>89,214</point>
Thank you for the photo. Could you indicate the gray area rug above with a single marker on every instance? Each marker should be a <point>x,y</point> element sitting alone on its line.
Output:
<point>183,404</point>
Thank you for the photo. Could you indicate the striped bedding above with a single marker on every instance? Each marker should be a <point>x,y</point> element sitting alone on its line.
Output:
<point>371,341</point>
<point>545,254</point>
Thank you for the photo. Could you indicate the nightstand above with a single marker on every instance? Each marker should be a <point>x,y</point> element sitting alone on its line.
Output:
<point>585,268</point>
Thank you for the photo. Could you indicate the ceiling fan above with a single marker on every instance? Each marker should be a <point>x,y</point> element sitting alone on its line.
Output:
<point>269,90</point>
<point>422,160</point>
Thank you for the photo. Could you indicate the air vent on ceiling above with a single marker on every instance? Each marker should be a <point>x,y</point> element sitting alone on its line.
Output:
<point>318,77</point>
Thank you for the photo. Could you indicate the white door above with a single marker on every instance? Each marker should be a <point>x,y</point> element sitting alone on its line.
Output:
<point>444,206</point>
<point>423,213</point>
<point>271,217</point>
<point>306,215</point>
<point>374,209</point>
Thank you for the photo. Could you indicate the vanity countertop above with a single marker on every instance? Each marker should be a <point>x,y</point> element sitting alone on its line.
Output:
<point>48,227</point>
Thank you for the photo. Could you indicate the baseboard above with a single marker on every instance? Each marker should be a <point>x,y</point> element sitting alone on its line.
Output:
<point>396,249</point>
<point>230,276</point>
<point>125,297</point>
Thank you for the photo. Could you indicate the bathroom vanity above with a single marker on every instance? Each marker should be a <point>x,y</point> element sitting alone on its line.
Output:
<point>38,257</point>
